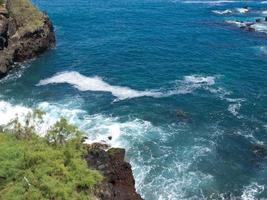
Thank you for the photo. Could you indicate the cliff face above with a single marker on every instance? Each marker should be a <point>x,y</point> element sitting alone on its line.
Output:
<point>25,33</point>
<point>119,183</point>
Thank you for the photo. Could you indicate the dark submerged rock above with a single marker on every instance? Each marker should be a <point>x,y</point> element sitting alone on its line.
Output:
<point>258,20</point>
<point>182,116</point>
<point>19,39</point>
<point>259,150</point>
<point>119,183</point>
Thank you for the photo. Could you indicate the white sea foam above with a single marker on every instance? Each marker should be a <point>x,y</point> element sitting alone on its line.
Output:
<point>236,23</point>
<point>196,79</point>
<point>98,127</point>
<point>209,2</point>
<point>251,191</point>
<point>185,180</point>
<point>260,27</point>
<point>9,112</point>
<point>242,10</point>
<point>84,83</point>
<point>234,108</point>
<point>16,73</point>
<point>263,49</point>
<point>222,12</point>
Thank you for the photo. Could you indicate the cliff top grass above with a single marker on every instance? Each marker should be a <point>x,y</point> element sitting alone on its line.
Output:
<point>46,168</point>
<point>26,15</point>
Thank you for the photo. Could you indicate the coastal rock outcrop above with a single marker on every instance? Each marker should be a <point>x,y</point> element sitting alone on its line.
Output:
<point>119,183</point>
<point>25,32</point>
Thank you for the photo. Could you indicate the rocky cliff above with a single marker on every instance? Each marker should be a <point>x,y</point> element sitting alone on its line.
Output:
<point>25,33</point>
<point>119,183</point>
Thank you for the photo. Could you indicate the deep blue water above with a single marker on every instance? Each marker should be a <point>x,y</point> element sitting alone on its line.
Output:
<point>125,68</point>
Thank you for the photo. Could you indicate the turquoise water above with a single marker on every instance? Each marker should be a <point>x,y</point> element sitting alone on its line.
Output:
<point>124,68</point>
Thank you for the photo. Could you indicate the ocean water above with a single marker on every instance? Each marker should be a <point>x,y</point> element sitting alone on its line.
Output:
<point>171,81</point>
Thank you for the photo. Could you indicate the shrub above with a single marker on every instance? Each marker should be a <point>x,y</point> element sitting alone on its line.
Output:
<point>35,168</point>
<point>25,14</point>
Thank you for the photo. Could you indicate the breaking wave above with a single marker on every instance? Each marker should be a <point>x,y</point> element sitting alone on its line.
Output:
<point>84,83</point>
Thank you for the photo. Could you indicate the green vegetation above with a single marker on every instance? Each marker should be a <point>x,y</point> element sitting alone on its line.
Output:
<point>1,2</point>
<point>26,15</point>
<point>44,168</point>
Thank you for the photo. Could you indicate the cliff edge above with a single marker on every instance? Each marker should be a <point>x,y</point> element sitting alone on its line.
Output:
<point>25,32</point>
<point>119,183</point>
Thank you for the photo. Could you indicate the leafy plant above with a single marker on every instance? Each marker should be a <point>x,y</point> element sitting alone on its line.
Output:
<point>47,168</point>
<point>61,132</point>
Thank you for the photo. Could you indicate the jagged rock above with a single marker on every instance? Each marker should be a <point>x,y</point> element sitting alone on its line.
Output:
<point>119,183</point>
<point>21,38</point>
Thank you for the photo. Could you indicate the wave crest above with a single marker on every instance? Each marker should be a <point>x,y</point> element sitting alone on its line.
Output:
<point>84,83</point>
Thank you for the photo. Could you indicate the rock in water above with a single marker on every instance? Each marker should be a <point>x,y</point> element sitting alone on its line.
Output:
<point>119,183</point>
<point>25,32</point>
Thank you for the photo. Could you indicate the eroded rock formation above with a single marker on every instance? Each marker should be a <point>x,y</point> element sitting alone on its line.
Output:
<point>119,183</point>
<point>25,32</point>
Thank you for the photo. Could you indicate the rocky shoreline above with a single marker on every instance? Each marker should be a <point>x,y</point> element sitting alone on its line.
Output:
<point>25,32</point>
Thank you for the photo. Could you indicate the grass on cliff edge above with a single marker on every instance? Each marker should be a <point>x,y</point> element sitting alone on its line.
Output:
<point>44,168</point>
<point>25,14</point>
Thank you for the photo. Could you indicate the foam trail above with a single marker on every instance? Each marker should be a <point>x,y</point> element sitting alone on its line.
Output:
<point>84,83</point>
<point>222,12</point>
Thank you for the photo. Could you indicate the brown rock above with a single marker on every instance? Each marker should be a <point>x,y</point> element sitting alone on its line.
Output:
<point>119,183</point>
